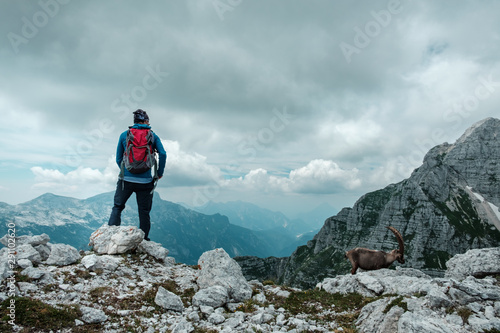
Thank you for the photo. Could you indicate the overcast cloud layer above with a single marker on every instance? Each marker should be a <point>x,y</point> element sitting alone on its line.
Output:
<point>286,104</point>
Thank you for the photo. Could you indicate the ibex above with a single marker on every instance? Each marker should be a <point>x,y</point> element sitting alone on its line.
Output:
<point>371,259</point>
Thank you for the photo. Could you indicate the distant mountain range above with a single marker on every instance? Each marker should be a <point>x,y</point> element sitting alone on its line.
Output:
<point>253,217</point>
<point>185,232</point>
<point>275,229</point>
<point>447,206</point>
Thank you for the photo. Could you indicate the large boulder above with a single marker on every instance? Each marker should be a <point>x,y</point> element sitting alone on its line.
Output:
<point>62,255</point>
<point>168,300</point>
<point>478,263</point>
<point>27,251</point>
<point>115,239</point>
<point>153,249</point>
<point>404,281</point>
<point>92,315</point>
<point>215,297</point>
<point>105,262</point>
<point>218,269</point>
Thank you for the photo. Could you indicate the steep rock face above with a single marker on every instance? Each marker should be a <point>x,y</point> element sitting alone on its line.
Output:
<point>448,206</point>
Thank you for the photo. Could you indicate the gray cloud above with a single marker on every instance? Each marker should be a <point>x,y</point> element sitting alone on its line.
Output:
<point>212,81</point>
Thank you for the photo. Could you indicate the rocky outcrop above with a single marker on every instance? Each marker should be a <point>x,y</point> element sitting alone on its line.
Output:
<point>416,302</point>
<point>477,263</point>
<point>448,206</point>
<point>115,239</point>
<point>62,255</point>
<point>137,291</point>
<point>218,269</point>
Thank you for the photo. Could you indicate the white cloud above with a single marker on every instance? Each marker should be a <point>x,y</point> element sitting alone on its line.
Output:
<point>185,169</point>
<point>320,176</point>
<point>317,177</point>
<point>182,169</point>
<point>81,182</point>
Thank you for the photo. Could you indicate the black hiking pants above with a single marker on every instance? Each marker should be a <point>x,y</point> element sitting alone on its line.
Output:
<point>144,196</point>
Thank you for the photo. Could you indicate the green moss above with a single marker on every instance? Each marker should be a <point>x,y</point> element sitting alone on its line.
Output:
<point>268,283</point>
<point>326,263</point>
<point>33,314</point>
<point>493,178</point>
<point>464,313</point>
<point>325,307</point>
<point>310,301</point>
<point>249,306</point>
<point>170,285</point>
<point>398,301</point>
<point>97,293</point>
<point>372,205</point>
<point>410,209</point>
<point>465,218</point>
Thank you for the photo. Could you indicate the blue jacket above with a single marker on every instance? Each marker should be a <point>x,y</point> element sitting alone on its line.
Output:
<point>145,177</point>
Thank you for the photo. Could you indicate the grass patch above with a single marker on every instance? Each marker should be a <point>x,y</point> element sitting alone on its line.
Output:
<point>398,301</point>
<point>36,314</point>
<point>311,301</point>
<point>170,285</point>
<point>325,307</point>
<point>204,330</point>
<point>249,306</point>
<point>464,313</point>
<point>97,293</point>
<point>50,287</point>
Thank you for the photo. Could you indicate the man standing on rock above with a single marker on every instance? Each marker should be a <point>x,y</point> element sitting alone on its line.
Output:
<point>135,155</point>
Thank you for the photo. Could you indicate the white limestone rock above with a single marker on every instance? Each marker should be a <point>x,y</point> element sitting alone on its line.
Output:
<point>154,249</point>
<point>476,262</point>
<point>92,315</point>
<point>168,300</point>
<point>115,239</point>
<point>44,250</point>
<point>214,296</point>
<point>27,251</point>
<point>105,262</point>
<point>33,273</point>
<point>26,239</point>
<point>62,255</point>
<point>218,269</point>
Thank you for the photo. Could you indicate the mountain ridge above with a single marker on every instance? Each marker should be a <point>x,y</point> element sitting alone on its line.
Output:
<point>70,220</point>
<point>436,209</point>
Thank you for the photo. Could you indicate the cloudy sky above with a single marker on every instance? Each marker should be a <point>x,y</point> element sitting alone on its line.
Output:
<point>285,104</point>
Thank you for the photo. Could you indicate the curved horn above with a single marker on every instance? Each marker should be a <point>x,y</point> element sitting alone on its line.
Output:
<point>400,239</point>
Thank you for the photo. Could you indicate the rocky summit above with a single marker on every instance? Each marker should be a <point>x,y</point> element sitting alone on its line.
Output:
<point>448,205</point>
<point>139,288</point>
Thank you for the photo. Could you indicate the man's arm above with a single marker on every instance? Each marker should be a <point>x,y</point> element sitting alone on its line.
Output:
<point>120,149</point>
<point>162,154</point>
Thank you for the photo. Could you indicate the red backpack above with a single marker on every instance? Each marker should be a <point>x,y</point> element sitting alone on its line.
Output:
<point>139,155</point>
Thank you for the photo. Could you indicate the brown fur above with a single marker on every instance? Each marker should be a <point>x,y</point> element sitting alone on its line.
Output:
<point>371,260</point>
